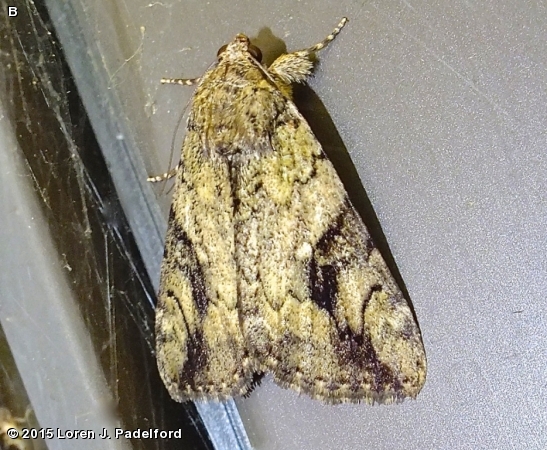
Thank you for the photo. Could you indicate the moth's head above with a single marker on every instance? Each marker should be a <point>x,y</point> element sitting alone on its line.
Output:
<point>240,44</point>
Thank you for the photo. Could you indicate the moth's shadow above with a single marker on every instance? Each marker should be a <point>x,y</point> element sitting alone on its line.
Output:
<point>270,46</point>
<point>315,113</point>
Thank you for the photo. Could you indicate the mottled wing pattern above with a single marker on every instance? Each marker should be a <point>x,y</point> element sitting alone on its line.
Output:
<point>319,307</point>
<point>200,348</point>
<point>267,265</point>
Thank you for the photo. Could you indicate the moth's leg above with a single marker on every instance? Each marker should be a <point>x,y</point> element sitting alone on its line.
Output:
<point>181,81</point>
<point>295,67</point>
<point>321,45</point>
<point>164,176</point>
<point>172,172</point>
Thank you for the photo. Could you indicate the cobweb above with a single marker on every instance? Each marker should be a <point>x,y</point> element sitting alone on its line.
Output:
<point>95,249</point>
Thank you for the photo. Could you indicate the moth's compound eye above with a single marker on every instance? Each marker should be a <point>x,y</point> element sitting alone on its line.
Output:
<point>221,50</point>
<point>255,51</point>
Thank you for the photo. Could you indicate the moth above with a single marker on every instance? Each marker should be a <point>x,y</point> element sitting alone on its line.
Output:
<point>267,266</point>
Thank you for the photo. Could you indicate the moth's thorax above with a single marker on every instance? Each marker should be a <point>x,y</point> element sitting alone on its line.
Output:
<point>236,105</point>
